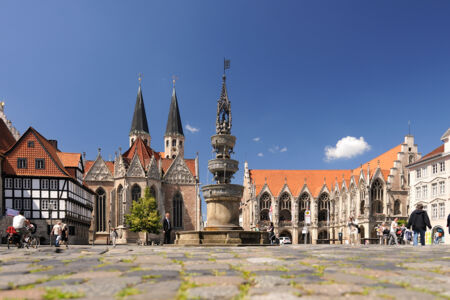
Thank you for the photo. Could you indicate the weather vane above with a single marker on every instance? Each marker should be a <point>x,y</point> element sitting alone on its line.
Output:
<point>140,78</point>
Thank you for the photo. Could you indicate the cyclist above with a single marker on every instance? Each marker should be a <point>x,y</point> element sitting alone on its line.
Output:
<point>19,224</point>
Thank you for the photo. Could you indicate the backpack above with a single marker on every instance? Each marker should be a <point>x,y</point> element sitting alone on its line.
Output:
<point>386,231</point>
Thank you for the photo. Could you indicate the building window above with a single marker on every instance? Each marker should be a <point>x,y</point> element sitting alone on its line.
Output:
<point>285,208</point>
<point>27,183</point>
<point>30,144</point>
<point>181,143</point>
<point>442,166</point>
<point>264,207</point>
<point>397,205</point>
<point>135,192</point>
<point>8,183</point>
<point>425,191</point>
<point>153,192</point>
<point>17,204</point>
<point>44,204</point>
<point>120,205</point>
<point>418,173</point>
<point>39,163</point>
<point>44,184</point>
<point>100,210</point>
<point>442,187</point>
<point>324,202</point>
<point>434,211</point>
<point>304,205</point>
<point>21,163</point>
<point>167,143</point>
<point>53,184</point>
<point>377,197</point>
<point>174,143</point>
<point>361,207</point>
<point>434,189</point>
<point>177,211</point>
<point>441,210</point>
<point>26,204</point>
<point>17,183</point>
<point>418,192</point>
<point>435,168</point>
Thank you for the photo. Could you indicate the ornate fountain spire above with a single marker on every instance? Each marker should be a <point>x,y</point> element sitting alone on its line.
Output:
<point>223,120</point>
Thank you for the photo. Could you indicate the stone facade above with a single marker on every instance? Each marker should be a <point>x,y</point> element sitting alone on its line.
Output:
<point>375,192</point>
<point>172,179</point>
<point>430,181</point>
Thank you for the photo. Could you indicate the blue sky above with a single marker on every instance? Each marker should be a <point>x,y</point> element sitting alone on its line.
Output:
<point>304,74</point>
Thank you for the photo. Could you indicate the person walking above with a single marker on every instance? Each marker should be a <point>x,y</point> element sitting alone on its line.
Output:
<point>448,223</point>
<point>65,235</point>
<point>353,231</point>
<point>56,231</point>
<point>393,232</point>
<point>419,222</point>
<point>167,227</point>
<point>271,231</point>
<point>113,235</point>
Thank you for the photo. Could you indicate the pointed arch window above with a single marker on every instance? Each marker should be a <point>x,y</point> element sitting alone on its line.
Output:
<point>153,192</point>
<point>303,205</point>
<point>177,211</point>
<point>377,197</point>
<point>323,205</point>
<point>100,210</point>
<point>362,207</point>
<point>285,208</point>
<point>397,205</point>
<point>264,207</point>
<point>135,192</point>
<point>120,206</point>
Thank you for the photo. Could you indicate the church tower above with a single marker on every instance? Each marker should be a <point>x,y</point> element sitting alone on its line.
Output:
<point>139,125</point>
<point>174,137</point>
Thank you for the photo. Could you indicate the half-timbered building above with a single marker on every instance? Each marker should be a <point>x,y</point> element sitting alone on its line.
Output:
<point>173,180</point>
<point>47,185</point>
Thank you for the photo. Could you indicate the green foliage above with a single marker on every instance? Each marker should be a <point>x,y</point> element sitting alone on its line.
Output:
<point>55,293</point>
<point>144,215</point>
<point>401,222</point>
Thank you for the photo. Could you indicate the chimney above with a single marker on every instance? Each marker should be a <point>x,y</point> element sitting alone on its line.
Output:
<point>54,143</point>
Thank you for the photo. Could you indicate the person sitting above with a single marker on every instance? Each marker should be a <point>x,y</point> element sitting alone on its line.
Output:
<point>19,224</point>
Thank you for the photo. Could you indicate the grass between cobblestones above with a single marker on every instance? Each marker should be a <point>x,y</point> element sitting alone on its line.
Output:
<point>55,293</point>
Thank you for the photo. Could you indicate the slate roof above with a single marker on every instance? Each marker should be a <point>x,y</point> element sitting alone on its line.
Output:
<point>139,122</point>
<point>174,126</point>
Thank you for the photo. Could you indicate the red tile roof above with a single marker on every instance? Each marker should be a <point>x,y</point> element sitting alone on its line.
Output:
<point>69,160</point>
<point>144,152</point>
<point>89,163</point>
<point>295,179</point>
<point>42,149</point>
<point>6,137</point>
<point>435,152</point>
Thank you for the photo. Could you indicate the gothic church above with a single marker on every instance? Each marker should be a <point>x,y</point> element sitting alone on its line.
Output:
<point>172,179</point>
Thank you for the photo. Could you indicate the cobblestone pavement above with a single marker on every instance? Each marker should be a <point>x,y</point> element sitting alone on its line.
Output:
<point>284,272</point>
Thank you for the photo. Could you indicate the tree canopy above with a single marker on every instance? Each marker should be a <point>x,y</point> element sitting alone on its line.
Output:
<point>144,215</point>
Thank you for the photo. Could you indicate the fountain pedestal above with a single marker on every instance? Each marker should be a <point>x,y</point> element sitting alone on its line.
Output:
<point>222,198</point>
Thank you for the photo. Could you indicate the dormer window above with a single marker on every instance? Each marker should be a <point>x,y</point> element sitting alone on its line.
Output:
<point>30,144</point>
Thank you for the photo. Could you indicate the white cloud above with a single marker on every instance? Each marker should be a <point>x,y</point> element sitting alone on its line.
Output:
<point>256,139</point>
<point>277,149</point>
<point>347,147</point>
<point>260,154</point>
<point>192,129</point>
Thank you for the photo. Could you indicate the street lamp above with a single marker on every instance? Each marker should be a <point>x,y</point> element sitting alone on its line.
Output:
<point>50,211</point>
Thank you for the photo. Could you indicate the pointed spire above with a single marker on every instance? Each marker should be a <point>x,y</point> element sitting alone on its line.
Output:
<point>174,120</point>
<point>223,120</point>
<point>139,123</point>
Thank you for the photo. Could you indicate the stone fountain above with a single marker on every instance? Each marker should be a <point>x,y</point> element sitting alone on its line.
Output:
<point>222,198</point>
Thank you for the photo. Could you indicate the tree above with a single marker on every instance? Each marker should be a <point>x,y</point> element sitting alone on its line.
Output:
<point>144,215</point>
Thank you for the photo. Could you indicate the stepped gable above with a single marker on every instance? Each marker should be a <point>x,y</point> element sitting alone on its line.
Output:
<point>6,137</point>
<point>144,152</point>
<point>386,163</point>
